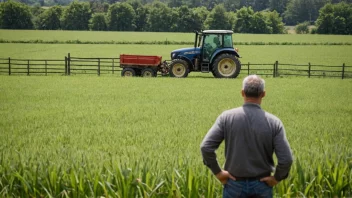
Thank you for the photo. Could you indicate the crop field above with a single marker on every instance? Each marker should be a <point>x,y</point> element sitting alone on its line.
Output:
<point>90,136</point>
<point>83,36</point>
<point>135,137</point>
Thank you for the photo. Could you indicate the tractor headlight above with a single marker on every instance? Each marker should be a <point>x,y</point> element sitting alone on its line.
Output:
<point>236,49</point>
<point>173,55</point>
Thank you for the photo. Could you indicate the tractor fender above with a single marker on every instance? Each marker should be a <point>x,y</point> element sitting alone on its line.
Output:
<point>223,51</point>
<point>189,62</point>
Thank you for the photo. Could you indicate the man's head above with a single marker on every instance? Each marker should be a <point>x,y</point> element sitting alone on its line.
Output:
<point>253,89</point>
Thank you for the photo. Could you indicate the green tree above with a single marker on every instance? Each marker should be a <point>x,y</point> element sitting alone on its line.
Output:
<point>232,5</point>
<point>264,22</point>
<point>141,14</point>
<point>244,18</point>
<point>160,18</point>
<point>335,19</point>
<point>76,16</point>
<point>259,25</point>
<point>14,15</point>
<point>99,6</point>
<point>274,21</point>
<point>259,5</point>
<point>343,18</point>
<point>302,28</point>
<point>185,20</point>
<point>302,10</point>
<point>50,19</point>
<point>98,22</point>
<point>325,21</point>
<point>196,3</point>
<point>36,10</point>
<point>199,15</point>
<point>121,17</point>
<point>176,3</point>
<point>218,18</point>
<point>278,5</point>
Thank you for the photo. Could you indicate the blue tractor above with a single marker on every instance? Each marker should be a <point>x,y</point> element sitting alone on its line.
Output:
<point>212,52</point>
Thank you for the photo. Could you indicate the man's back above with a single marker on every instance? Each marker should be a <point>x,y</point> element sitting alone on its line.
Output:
<point>251,137</point>
<point>248,135</point>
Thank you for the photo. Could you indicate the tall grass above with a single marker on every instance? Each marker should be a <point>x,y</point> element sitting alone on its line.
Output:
<point>87,136</point>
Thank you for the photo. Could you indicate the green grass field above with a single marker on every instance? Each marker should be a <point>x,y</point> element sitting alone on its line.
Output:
<point>59,132</point>
<point>326,55</point>
<point>12,35</point>
<point>89,136</point>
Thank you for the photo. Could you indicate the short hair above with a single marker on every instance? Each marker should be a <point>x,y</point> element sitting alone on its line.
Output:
<point>253,86</point>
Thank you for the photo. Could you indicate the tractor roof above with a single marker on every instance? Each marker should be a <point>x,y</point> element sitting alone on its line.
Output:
<point>217,32</point>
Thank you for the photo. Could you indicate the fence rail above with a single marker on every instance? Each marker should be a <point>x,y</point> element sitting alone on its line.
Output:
<point>100,66</point>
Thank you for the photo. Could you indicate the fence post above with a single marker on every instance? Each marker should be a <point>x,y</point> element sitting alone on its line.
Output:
<point>9,66</point>
<point>68,64</point>
<point>309,66</point>
<point>98,66</point>
<point>277,69</point>
<point>46,68</point>
<point>28,68</point>
<point>343,71</point>
<point>248,68</point>
<point>113,61</point>
<point>274,68</point>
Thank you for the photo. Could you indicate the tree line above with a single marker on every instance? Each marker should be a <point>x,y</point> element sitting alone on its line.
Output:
<point>292,11</point>
<point>157,16</point>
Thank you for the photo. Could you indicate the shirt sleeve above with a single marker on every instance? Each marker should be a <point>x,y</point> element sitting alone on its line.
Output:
<point>283,154</point>
<point>210,143</point>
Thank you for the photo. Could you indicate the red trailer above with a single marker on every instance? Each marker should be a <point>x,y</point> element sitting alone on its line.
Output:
<point>141,65</point>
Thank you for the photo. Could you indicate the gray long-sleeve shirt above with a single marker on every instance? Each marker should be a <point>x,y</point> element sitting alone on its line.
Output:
<point>251,137</point>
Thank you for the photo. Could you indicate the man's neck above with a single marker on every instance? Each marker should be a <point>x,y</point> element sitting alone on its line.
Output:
<point>253,100</point>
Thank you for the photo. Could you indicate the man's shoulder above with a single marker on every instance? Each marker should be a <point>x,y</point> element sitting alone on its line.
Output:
<point>272,117</point>
<point>232,112</point>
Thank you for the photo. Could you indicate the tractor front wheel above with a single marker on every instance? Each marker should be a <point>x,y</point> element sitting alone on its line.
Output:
<point>226,66</point>
<point>179,68</point>
<point>128,72</point>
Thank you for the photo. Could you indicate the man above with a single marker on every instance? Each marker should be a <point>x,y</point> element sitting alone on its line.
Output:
<point>251,137</point>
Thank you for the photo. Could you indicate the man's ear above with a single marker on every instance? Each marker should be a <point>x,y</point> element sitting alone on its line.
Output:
<point>242,92</point>
<point>263,94</point>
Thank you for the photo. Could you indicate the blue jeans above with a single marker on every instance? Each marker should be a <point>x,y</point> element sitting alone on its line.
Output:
<point>254,188</point>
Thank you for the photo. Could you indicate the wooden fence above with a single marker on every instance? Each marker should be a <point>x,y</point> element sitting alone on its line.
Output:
<point>100,66</point>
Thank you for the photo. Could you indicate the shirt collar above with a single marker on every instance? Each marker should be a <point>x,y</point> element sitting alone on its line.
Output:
<point>247,104</point>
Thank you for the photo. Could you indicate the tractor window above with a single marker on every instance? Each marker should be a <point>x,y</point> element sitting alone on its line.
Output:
<point>211,43</point>
<point>228,40</point>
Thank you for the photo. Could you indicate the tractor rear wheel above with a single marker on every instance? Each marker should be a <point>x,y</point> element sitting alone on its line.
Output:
<point>179,68</point>
<point>226,66</point>
<point>148,72</point>
<point>128,72</point>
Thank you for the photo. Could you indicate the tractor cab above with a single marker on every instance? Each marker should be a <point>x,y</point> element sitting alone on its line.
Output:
<point>212,52</point>
<point>210,41</point>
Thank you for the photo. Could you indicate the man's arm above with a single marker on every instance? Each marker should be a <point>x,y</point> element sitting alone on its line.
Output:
<point>283,154</point>
<point>210,143</point>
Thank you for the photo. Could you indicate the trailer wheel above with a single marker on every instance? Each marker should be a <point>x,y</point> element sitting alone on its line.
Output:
<point>148,72</point>
<point>226,66</point>
<point>179,68</point>
<point>128,72</point>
